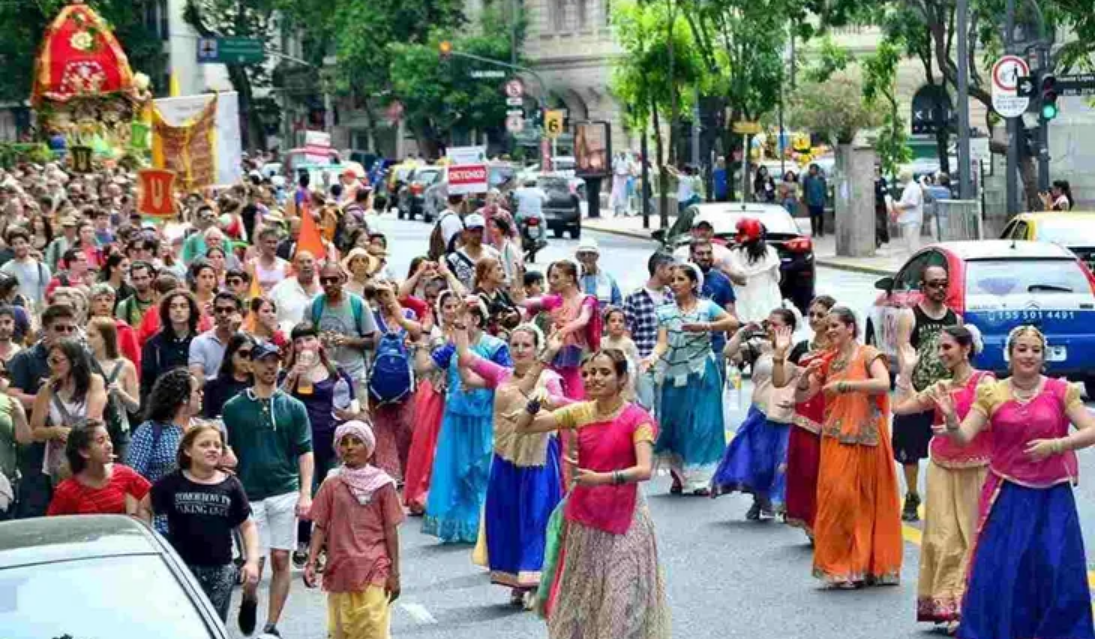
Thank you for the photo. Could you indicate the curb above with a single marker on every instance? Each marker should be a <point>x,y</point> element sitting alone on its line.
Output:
<point>855,268</point>
<point>638,235</point>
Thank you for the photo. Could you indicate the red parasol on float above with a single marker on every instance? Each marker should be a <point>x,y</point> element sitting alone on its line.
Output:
<point>80,57</point>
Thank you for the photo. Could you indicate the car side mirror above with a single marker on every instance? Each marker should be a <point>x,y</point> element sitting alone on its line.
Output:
<point>884,284</point>
<point>658,235</point>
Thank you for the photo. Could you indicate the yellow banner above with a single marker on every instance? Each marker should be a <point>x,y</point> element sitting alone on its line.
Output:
<point>189,150</point>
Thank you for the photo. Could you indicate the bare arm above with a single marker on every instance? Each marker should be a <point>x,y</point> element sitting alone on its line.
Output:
<point>660,349</point>
<point>641,471</point>
<point>129,391</point>
<point>198,371</point>
<point>144,508</point>
<point>23,433</point>
<point>391,544</point>
<point>964,432</point>
<point>543,422</point>
<point>906,354</point>
<point>878,382</point>
<point>96,398</point>
<point>38,414</point>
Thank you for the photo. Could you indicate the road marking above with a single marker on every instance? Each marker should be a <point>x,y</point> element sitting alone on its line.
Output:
<point>418,612</point>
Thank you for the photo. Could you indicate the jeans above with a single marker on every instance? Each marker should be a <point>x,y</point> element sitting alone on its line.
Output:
<point>817,220</point>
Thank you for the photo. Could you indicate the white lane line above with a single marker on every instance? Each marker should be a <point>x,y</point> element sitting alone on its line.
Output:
<point>418,612</point>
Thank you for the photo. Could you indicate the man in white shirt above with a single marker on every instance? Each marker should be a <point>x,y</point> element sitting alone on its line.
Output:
<point>909,210</point>
<point>33,276</point>
<point>703,229</point>
<point>450,222</point>
<point>294,294</point>
<point>463,260</point>
<point>530,202</point>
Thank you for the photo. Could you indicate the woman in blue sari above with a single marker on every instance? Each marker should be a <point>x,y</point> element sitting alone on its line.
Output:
<point>461,465</point>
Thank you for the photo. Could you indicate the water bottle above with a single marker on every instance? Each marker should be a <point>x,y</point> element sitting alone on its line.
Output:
<point>341,399</point>
<point>733,386</point>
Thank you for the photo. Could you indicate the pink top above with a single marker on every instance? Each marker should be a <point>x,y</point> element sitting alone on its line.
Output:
<point>604,446</point>
<point>357,556</point>
<point>563,314</point>
<point>509,401</point>
<point>1015,424</point>
<point>945,451</point>
<point>495,375</point>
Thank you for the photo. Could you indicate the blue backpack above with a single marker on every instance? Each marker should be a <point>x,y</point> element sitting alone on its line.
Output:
<point>390,379</point>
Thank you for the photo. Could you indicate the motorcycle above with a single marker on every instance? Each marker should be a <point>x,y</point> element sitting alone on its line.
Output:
<point>532,237</point>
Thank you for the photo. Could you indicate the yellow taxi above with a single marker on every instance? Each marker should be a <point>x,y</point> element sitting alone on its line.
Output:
<point>1075,230</point>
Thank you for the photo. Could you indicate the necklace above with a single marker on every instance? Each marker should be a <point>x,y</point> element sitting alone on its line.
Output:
<point>600,414</point>
<point>1024,395</point>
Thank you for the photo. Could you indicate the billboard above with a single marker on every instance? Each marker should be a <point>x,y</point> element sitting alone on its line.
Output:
<point>592,149</point>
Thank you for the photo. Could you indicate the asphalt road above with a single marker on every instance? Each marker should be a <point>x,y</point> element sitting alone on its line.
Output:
<point>726,577</point>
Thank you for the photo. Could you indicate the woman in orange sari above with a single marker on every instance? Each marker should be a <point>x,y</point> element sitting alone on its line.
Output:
<point>857,532</point>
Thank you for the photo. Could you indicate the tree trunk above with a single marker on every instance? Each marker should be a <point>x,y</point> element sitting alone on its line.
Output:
<point>942,141</point>
<point>663,177</point>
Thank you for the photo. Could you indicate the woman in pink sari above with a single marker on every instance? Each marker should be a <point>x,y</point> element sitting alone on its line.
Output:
<point>607,583</point>
<point>574,318</point>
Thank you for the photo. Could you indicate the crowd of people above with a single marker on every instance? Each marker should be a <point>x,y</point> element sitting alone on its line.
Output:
<point>255,382</point>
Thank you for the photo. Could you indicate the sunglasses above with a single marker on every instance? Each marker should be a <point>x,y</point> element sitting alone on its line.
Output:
<point>936,284</point>
<point>244,352</point>
<point>329,280</point>
<point>63,328</point>
<point>225,310</point>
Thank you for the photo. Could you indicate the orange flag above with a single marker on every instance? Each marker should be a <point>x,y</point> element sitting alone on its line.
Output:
<point>310,240</point>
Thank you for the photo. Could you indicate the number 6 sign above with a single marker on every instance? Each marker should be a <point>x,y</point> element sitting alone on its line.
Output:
<point>553,123</point>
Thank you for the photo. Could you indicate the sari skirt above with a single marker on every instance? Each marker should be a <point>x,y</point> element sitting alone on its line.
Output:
<point>950,528</point>
<point>429,408</point>
<point>1028,575</point>
<point>461,468</point>
<point>520,500</point>
<point>755,462</point>
<point>857,531</point>
<point>610,586</point>
<point>394,429</point>
<point>692,435</point>
<point>803,461</point>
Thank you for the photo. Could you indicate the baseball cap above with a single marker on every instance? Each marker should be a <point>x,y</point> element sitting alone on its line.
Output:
<point>264,349</point>
<point>474,221</point>
<point>589,246</point>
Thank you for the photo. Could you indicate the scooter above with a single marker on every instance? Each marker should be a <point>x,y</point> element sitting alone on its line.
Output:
<point>532,237</point>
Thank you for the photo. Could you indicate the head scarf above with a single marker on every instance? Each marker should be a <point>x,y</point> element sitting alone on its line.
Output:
<point>367,479</point>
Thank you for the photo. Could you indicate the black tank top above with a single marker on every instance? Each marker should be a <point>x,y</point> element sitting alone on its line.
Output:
<point>925,339</point>
<point>927,327</point>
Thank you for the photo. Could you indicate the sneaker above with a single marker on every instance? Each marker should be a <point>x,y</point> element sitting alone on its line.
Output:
<point>300,556</point>
<point>754,512</point>
<point>271,631</point>
<point>912,504</point>
<point>247,617</point>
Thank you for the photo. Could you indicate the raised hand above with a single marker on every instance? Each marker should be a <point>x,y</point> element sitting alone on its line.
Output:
<point>782,343</point>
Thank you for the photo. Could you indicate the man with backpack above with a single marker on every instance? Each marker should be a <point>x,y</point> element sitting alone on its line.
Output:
<point>447,230</point>
<point>345,323</point>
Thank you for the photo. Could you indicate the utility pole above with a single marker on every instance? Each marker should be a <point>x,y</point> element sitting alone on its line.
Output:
<point>965,186</point>
<point>1014,124</point>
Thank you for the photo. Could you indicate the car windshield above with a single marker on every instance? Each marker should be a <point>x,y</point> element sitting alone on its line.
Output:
<point>1067,232</point>
<point>426,177</point>
<point>499,175</point>
<point>1025,277</point>
<point>108,598</point>
<point>553,186</point>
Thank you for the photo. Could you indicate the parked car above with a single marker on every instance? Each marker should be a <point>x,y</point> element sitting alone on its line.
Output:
<point>1073,230</point>
<point>796,250</point>
<point>563,210</point>
<point>98,576</point>
<point>997,285</point>
<point>412,194</point>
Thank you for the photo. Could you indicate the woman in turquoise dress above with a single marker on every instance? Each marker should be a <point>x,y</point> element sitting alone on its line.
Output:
<point>692,436</point>
<point>461,465</point>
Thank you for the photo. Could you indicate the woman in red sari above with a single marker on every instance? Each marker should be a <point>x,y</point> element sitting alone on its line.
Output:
<point>608,583</point>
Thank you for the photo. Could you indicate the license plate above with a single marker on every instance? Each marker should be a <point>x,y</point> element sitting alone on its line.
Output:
<point>1053,354</point>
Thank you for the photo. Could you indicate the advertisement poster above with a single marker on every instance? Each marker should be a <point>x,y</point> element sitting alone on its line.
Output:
<point>228,145</point>
<point>592,149</point>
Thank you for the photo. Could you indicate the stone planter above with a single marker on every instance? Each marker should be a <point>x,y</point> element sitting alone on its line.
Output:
<point>854,201</point>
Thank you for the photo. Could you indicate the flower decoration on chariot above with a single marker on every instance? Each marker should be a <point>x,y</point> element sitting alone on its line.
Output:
<point>85,76</point>
<point>82,41</point>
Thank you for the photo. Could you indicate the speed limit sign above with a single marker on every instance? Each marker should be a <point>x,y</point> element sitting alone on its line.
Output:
<point>553,123</point>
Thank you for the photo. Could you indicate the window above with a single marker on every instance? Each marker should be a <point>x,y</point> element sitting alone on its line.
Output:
<point>909,277</point>
<point>1001,278</point>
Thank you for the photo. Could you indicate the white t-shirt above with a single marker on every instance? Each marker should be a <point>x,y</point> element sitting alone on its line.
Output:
<point>451,225</point>
<point>291,300</point>
<point>913,198</point>
<point>530,201</point>
<point>760,294</point>
<point>721,253</point>
<point>33,277</point>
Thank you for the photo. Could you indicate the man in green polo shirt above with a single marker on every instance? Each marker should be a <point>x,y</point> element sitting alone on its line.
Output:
<point>271,436</point>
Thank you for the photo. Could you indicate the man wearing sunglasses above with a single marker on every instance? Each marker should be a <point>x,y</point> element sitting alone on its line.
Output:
<point>29,371</point>
<point>207,349</point>
<point>345,323</point>
<point>918,331</point>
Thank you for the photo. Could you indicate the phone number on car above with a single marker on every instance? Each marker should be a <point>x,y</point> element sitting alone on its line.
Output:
<point>1025,316</point>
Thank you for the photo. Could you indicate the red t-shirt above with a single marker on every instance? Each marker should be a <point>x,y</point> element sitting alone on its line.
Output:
<point>73,498</point>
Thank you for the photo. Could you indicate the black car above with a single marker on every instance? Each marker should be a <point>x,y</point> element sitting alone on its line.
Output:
<point>563,210</point>
<point>796,250</point>
<point>412,195</point>
<point>98,576</point>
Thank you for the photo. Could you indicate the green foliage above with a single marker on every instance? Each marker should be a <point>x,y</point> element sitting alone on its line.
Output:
<point>14,153</point>
<point>833,110</point>
<point>24,23</point>
<point>830,59</point>
<point>879,90</point>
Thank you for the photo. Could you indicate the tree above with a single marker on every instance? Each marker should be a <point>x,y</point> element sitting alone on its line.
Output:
<point>24,23</point>
<point>879,90</point>
<point>832,110</point>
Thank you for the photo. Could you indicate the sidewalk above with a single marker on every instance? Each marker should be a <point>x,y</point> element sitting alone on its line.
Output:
<point>886,260</point>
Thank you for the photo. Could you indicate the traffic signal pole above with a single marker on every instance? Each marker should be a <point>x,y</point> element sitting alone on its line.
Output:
<point>1011,171</point>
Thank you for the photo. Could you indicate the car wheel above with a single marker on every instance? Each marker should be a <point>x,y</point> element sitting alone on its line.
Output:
<point>575,232</point>
<point>869,335</point>
<point>557,232</point>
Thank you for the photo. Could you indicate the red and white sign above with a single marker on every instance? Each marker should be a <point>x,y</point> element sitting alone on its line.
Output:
<point>467,178</point>
<point>317,146</point>
<point>1005,86</point>
<point>156,189</point>
<point>514,88</point>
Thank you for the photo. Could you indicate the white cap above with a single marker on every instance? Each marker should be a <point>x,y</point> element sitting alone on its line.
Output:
<point>475,221</point>
<point>588,246</point>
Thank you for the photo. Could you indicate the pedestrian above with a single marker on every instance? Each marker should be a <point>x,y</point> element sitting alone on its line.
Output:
<point>429,404</point>
<point>954,480</point>
<point>33,276</point>
<point>170,347</point>
<point>203,505</point>
<point>461,466</point>
<point>692,436</point>
<point>757,263</point>
<point>233,377</point>
<point>594,280</point>
<point>788,193</point>
<point>717,287</point>
<point>357,516</point>
<point>11,299</point>
<point>207,350</point>
<point>525,474</point>
<point>908,212</point>
<point>1059,197</point>
<point>267,267</point>
<point>262,323</point>
<point>804,440</point>
<point>574,316</point>
<point>621,171</point>
<point>605,559</point>
<point>918,334</point>
<point>292,295</point>
<point>345,324</point>
<point>360,267</point>
<point>1028,531</point>
<point>269,432</point>
<point>203,279</point>
<point>490,286</point>
<point>815,192</point>
<point>9,348</point>
<point>640,311</point>
<point>720,180</point>
<point>764,186</point>
<point>119,374</point>
<point>391,386</point>
<point>98,485</point>
<point>857,530</point>
<point>616,336</point>
<point>755,461</point>
<point>881,214</point>
<point>462,261</point>
<point>114,273</point>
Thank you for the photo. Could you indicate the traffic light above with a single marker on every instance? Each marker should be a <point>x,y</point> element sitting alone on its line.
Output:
<point>1049,97</point>
<point>445,48</point>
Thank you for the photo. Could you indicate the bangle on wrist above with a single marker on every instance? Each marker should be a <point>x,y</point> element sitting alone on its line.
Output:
<point>533,406</point>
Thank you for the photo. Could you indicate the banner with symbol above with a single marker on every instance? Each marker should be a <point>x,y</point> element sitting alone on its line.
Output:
<point>156,192</point>
<point>189,150</point>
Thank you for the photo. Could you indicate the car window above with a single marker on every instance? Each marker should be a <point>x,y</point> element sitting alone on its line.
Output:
<point>1067,231</point>
<point>426,178</point>
<point>1019,232</point>
<point>909,277</point>
<point>109,598</point>
<point>499,175</point>
<point>683,224</point>
<point>1025,277</point>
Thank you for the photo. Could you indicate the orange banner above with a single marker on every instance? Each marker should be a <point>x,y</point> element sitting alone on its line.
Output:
<point>156,192</point>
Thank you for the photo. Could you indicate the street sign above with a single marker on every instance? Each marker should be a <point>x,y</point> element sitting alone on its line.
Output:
<point>747,128</point>
<point>1078,84</point>
<point>466,154</point>
<point>1006,72</point>
<point>520,112</point>
<point>515,101</point>
<point>467,178</point>
<point>553,123</point>
<point>514,88</point>
<point>514,123</point>
<point>231,50</point>
<point>1025,87</point>
<point>493,74</point>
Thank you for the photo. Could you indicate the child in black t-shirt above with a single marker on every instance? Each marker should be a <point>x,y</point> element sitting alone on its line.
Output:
<point>203,505</point>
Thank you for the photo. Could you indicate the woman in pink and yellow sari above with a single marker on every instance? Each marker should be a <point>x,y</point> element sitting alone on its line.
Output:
<point>1028,574</point>
<point>607,583</point>
<point>574,317</point>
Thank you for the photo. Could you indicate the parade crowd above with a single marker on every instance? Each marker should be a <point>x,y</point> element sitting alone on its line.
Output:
<point>254,380</point>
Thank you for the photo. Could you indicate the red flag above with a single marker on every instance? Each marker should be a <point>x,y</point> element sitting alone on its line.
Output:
<point>156,192</point>
<point>310,239</point>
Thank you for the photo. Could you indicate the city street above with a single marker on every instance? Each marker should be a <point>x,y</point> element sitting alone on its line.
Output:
<point>726,577</point>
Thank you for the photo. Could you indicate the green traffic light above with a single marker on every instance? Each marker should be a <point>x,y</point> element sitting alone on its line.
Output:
<point>1049,111</point>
